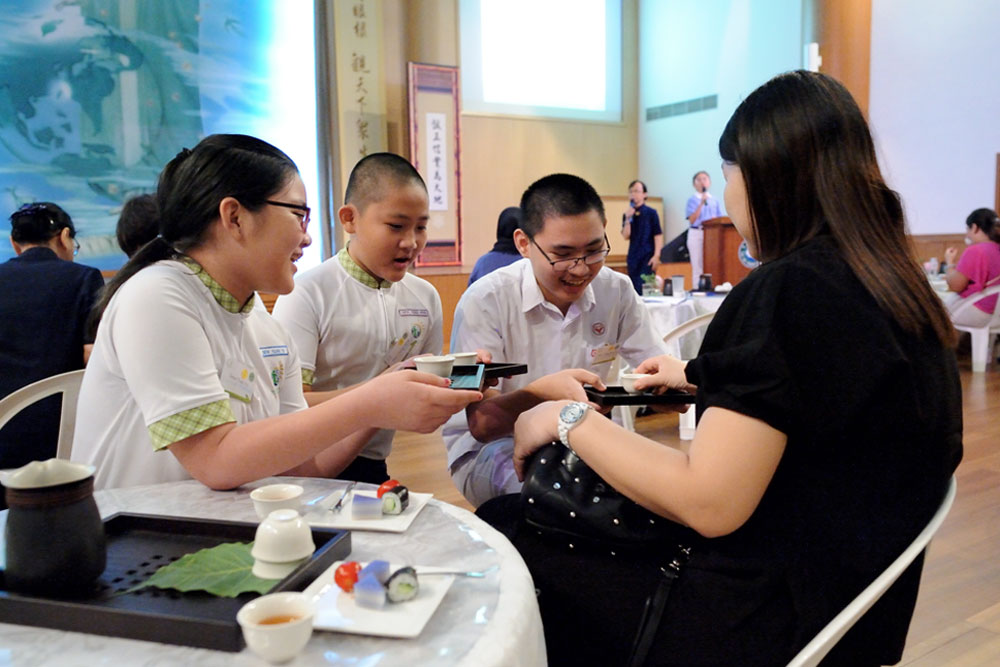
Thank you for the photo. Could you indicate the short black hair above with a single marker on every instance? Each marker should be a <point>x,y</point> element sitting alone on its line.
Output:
<point>557,195</point>
<point>374,173</point>
<point>138,223</point>
<point>987,221</point>
<point>644,188</point>
<point>38,222</point>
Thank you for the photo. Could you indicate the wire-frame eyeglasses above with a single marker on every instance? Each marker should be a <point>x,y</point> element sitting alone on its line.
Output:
<point>297,207</point>
<point>563,265</point>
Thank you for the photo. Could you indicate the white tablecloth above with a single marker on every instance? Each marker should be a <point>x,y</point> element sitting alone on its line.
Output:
<point>491,621</point>
<point>668,312</point>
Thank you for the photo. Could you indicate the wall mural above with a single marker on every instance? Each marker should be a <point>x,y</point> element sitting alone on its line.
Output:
<point>97,95</point>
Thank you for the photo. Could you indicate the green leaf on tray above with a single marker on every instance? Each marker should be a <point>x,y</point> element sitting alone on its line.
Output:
<point>223,570</point>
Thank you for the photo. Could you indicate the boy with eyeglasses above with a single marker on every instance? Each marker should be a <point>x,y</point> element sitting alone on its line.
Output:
<point>560,311</point>
<point>360,312</point>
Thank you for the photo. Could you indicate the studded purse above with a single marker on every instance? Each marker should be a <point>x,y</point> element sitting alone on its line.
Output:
<point>563,498</point>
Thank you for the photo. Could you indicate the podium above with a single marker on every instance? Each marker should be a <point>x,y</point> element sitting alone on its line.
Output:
<point>722,256</point>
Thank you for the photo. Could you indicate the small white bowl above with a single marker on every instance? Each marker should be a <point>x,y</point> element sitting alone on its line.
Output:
<point>272,497</point>
<point>464,358</point>
<point>440,366</point>
<point>628,381</point>
<point>265,569</point>
<point>277,641</point>
<point>282,537</point>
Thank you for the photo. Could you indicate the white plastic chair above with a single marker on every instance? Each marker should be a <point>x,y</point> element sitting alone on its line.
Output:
<point>983,338</point>
<point>686,421</point>
<point>67,384</point>
<point>816,650</point>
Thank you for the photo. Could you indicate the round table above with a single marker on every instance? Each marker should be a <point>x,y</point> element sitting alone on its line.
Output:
<point>490,621</point>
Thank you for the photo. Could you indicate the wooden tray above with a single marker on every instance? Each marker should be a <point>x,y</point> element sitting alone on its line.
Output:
<point>502,370</point>
<point>138,544</point>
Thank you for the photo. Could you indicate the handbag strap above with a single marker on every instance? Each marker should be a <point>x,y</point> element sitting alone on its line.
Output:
<point>655,604</point>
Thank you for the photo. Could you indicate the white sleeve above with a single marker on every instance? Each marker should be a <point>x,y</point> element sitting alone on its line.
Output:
<point>640,339</point>
<point>434,342</point>
<point>163,350</point>
<point>299,313</point>
<point>290,389</point>
<point>477,324</point>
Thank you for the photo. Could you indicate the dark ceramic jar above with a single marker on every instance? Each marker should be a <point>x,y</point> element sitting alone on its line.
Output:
<point>54,538</point>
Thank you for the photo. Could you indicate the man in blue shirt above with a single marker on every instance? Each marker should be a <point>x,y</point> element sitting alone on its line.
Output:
<point>700,207</point>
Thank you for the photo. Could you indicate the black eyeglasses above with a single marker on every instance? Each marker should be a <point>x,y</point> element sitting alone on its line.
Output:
<point>297,207</point>
<point>563,265</point>
<point>76,247</point>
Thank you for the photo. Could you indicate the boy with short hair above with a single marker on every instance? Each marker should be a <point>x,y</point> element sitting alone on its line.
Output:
<point>360,312</point>
<point>560,311</point>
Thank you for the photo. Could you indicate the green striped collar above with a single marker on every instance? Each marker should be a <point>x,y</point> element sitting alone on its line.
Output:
<point>355,271</point>
<point>224,298</point>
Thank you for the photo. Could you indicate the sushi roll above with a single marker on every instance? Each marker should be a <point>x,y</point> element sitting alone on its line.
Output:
<point>369,593</point>
<point>395,500</point>
<point>402,585</point>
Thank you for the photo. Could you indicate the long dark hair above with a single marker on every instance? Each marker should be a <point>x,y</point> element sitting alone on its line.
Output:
<point>809,166</point>
<point>987,221</point>
<point>189,192</point>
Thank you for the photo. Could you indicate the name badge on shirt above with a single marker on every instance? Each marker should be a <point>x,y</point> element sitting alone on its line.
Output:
<point>604,354</point>
<point>237,379</point>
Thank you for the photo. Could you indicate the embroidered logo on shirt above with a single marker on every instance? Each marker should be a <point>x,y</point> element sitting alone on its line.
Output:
<point>416,330</point>
<point>274,351</point>
<point>414,312</point>
<point>277,373</point>
<point>598,328</point>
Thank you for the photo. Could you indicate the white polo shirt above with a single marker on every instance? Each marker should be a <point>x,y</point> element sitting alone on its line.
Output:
<point>505,313</point>
<point>348,327</point>
<point>170,361</point>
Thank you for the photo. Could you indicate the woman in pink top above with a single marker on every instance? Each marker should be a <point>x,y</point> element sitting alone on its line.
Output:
<point>978,267</point>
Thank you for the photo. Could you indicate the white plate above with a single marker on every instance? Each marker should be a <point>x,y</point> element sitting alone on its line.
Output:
<point>389,523</point>
<point>335,609</point>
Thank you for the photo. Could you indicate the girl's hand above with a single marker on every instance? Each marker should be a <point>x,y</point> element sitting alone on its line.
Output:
<point>665,372</point>
<point>950,255</point>
<point>533,429</point>
<point>413,401</point>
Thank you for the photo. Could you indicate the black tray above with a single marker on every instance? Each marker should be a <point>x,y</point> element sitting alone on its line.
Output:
<point>468,377</point>
<point>618,396</point>
<point>138,544</point>
<point>502,370</point>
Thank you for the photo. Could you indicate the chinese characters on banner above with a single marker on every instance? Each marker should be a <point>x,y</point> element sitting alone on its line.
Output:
<point>360,102</point>
<point>437,161</point>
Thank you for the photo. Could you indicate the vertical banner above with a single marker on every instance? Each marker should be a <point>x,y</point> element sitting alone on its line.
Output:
<point>361,104</point>
<point>437,162</point>
<point>435,151</point>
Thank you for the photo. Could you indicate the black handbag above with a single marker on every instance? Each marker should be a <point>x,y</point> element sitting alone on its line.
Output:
<point>563,498</point>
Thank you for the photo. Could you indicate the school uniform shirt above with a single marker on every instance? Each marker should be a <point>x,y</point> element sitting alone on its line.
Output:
<point>506,314</point>
<point>349,327</point>
<point>177,355</point>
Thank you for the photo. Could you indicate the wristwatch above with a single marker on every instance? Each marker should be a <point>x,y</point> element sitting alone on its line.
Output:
<point>571,415</point>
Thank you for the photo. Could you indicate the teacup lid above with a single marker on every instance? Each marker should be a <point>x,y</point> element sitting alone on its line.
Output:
<point>41,474</point>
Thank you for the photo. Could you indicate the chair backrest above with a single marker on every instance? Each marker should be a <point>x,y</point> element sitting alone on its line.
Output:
<point>993,287</point>
<point>67,384</point>
<point>691,325</point>
<point>815,650</point>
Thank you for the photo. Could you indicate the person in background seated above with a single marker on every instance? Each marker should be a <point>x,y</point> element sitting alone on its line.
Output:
<point>700,207</point>
<point>45,300</point>
<point>978,266</point>
<point>188,378</point>
<point>137,223</point>
<point>562,312</point>
<point>504,251</point>
<point>830,421</point>
<point>641,228</point>
<point>361,312</point>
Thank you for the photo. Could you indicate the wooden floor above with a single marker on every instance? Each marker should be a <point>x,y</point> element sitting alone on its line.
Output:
<point>957,619</point>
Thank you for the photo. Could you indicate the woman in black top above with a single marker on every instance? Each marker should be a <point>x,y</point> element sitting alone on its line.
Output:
<point>829,419</point>
<point>45,300</point>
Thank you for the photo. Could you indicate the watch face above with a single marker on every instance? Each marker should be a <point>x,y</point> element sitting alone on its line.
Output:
<point>572,413</point>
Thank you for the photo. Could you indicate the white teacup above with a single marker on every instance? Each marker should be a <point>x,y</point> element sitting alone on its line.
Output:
<point>277,626</point>
<point>464,358</point>
<point>282,537</point>
<point>440,366</point>
<point>628,381</point>
<point>272,497</point>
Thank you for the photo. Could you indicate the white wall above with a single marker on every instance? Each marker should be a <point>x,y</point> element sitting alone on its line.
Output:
<point>691,49</point>
<point>934,106</point>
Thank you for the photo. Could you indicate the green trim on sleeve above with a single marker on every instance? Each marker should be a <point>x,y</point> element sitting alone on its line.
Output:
<point>308,377</point>
<point>182,425</point>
